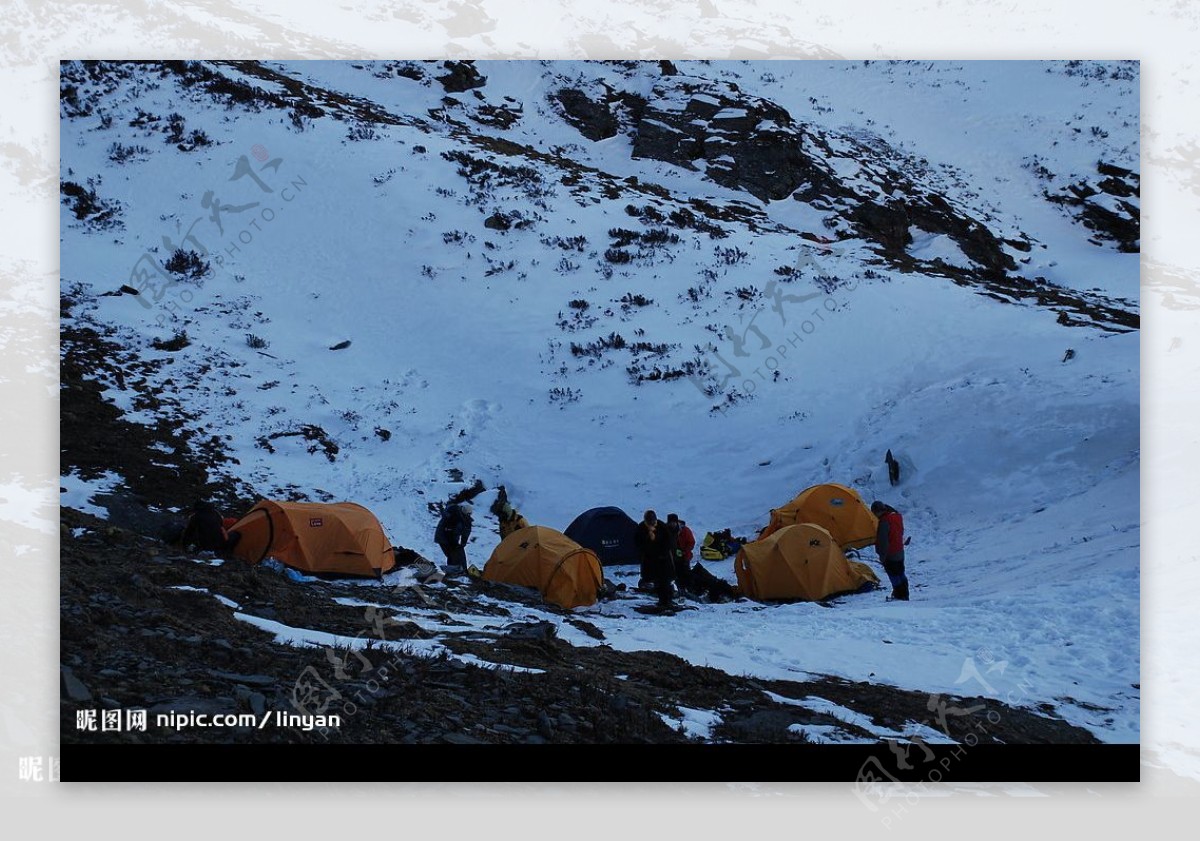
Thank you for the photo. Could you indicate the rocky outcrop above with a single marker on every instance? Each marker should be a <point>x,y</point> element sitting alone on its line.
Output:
<point>593,118</point>
<point>461,76</point>
<point>888,224</point>
<point>884,224</point>
<point>741,141</point>
<point>1108,205</point>
<point>862,186</point>
<point>600,112</point>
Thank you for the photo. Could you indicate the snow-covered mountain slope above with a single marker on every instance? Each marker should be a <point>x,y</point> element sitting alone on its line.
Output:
<point>698,288</point>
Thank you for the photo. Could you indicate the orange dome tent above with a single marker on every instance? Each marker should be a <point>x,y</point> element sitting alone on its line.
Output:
<point>835,508</point>
<point>341,538</point>
<point>565,573</point>
<point>801,561</point>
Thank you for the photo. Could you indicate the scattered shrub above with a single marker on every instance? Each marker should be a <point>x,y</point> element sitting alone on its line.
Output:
<point>177,342</point>
<point>120,153</point>
<point>361,131</point>
<point>564,395</point>
<point>187,264</point>
<point>731,256</point>
<point>599,346</point>
<point>87,205</point>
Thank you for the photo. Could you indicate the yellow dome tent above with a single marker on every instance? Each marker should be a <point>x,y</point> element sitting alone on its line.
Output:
<point>837,509</point>
<point>341,538</point>
<point>565,573</point>
<point>801,561</point>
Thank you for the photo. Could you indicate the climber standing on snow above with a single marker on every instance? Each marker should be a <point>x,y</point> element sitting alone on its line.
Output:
<point>451,535</point>
<point>889,545</point>
<point>685,543</point>
<point>656,546</point>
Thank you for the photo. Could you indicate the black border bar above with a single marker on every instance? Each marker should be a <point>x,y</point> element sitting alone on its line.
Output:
<point>863,764</point>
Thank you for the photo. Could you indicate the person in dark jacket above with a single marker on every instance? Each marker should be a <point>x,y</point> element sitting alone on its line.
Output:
<point>893,468</point>
<point>452,533</point>
<point>685,543</point>
<point>205,530</point>
<point>889,546</point>
<point>656,546</point>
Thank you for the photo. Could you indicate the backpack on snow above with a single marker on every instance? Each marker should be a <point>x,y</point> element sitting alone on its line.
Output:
<point>713,548</point>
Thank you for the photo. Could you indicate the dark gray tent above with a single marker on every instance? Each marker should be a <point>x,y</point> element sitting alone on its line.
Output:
<point>608,532</point>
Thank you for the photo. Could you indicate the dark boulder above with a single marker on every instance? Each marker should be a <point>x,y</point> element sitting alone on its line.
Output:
<point>889,226</point>
<point>72,688</point>
<point>462,76</point>
<point>744,142</point>
<point>1108,207</point>
<point>498,222</point>
<point>885,224</point>
<point>594,119</point>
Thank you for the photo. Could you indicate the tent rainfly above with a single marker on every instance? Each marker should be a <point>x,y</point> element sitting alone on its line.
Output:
<point>608,532</point>
<point>801,561</point>
<point>835,508</point>
<point>565,573</point>
<point>337,538</point>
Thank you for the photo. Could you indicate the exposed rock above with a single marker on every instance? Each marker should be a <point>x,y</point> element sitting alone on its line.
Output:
<point>889,226</point>
<point>256,680</point>
<point>1121,225</point>
<point>593,119</point>
<point>1109,207</point>
<point>255,700</point>
<point>531,631</point>
<point>462,76</point>
<point>885,224</point>
<point>743,141</point>
<point>193,704</point>
<point>497,222</point>
<point>72,687</point>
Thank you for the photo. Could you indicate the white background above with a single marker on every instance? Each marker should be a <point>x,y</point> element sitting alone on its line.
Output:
<point>34,36</point>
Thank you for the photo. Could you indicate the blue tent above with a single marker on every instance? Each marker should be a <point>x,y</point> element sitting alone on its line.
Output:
<point>608,532</point>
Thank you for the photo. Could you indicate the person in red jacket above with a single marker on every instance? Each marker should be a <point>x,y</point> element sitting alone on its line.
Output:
<point>685,542</point>
<point>889,546</point>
